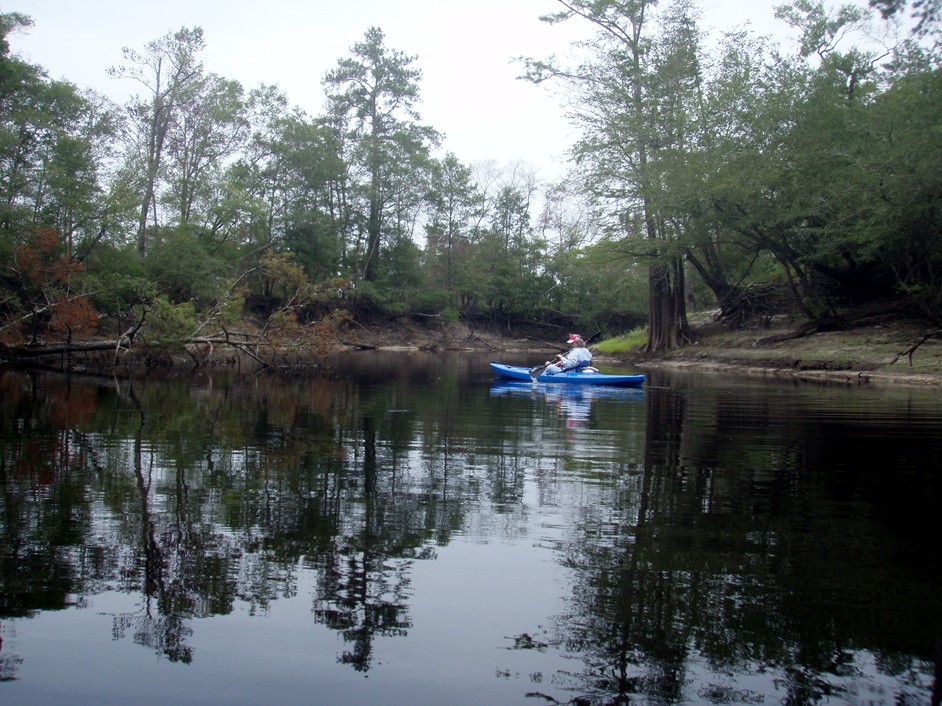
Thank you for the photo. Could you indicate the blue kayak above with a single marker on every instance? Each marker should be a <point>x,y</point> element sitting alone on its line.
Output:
<point>576,377</point>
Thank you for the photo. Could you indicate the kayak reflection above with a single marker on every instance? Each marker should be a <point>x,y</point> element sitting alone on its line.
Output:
<point>574,402</point>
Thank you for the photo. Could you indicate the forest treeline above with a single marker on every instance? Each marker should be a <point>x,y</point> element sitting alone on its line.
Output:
<point>708,172</point>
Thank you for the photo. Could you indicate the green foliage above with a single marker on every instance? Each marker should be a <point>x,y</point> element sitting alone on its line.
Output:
<point>230,307</point>
<point>718,169</point>
<point>600,279</point>
<point>7,241</point>
<point>51,139</point>
<point>288,285</point>
<point>315,244</point>
<point>802,162</point>
<point>367,293</point>
<point>450,314</point>
<point>179,262</point>
<point>285,279</point>
<point>902,225</point>
<point>288,186</point>
<point>169,325</point>
<point>117,280</point>
<point>373,94</point>
<point>456,205</point>
<point>432,301</point>
<point>399,277</point>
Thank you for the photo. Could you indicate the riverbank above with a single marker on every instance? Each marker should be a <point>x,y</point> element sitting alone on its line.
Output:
<point>896,352</point>
<point>893,353</point>
<point>890,352</point>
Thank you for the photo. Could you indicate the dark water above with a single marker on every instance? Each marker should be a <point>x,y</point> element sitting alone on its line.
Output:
<point>404,531</point>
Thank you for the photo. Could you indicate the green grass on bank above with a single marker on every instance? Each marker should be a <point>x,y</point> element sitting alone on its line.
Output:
<point>632,340</point>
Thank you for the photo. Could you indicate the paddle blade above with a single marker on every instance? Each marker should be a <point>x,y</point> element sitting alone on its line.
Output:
<point>536,371</point>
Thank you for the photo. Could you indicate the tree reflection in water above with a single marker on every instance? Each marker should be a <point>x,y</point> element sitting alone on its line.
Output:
<point>159,503</point>
<point>363,593</point>
<point>706,536</point>
<point>726,569</point>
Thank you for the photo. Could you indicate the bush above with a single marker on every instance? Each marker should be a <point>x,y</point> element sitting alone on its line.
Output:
<point>117,281</point>
<point>183,268</point>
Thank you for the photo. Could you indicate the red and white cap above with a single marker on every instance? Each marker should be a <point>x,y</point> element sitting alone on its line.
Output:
<point>574,338</point>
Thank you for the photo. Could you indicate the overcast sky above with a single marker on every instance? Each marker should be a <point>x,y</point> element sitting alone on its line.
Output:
<point>463,47</point>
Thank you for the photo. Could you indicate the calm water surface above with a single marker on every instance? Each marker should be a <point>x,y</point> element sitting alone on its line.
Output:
<point>404,530</point>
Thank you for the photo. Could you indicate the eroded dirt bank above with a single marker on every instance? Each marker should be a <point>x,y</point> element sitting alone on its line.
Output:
<point>898,352</point>
<point>901,352</point>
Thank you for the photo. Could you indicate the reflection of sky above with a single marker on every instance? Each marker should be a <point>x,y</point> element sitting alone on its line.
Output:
<point>466,608</point>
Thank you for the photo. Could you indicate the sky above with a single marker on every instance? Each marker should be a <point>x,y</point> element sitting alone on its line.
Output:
<point>464,48</point>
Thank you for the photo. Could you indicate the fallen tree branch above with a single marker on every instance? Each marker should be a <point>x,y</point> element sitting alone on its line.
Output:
<point>912,349</point>
<point>240,341</point>
<point>18,352</point>
<point>829,323</point>
<point>359,346</point>
<point>854,319</point>
<point>243,346</point>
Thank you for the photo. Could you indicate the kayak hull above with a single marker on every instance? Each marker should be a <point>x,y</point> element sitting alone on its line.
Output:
<point>514,372</point>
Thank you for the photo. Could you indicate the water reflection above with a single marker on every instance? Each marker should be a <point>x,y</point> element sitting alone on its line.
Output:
<point>572,402</point>
<point>715,543</point>
<point>744,547</point>
<point>195,502</point>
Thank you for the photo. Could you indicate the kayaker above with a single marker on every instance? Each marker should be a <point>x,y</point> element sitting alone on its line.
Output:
<point>578,356</point>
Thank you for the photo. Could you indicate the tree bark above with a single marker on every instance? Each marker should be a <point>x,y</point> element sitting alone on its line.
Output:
<point>667,313</point>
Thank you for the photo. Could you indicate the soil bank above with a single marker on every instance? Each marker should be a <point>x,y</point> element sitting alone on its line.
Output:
<point>902,352</point>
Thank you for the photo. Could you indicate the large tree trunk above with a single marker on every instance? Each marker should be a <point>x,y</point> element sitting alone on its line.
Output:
<point>373,233</point>
<point>667,311</point>
<point>712,272</point>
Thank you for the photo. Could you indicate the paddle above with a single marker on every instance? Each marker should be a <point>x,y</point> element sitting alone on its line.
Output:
<point>537,370</point>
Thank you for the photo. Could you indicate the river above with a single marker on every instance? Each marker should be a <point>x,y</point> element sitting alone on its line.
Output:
<point>403,529</point>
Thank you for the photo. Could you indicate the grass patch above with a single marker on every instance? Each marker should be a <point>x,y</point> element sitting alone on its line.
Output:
<point>633,340</point>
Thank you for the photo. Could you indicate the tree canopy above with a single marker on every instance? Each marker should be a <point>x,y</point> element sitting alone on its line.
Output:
<point>725,174</point>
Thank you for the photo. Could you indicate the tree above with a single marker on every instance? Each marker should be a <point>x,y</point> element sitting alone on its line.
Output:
<point>899,183</point>
<point>372,97</point>
<point>632,101</point>
<point>287,190</point>
<point>53,142</point>
<point>456,202</point>
<point>250,209</point>
<point>506,271</point>
<point>41,294</point>
<point>167,68</point>
<point>315,214</point>
<point>210,127</point>
<point>927,13</point>
<point>747,108</point>
<point>790,166</point>
<point>9,22</point>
